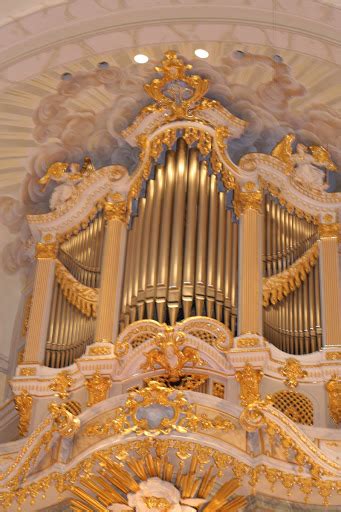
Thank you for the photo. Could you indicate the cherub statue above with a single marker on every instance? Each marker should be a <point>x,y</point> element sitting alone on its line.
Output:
<point>68,175</point>
<point>304,165</point>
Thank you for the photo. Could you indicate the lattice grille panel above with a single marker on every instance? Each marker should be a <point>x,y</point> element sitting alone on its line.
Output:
<point>296,406</point>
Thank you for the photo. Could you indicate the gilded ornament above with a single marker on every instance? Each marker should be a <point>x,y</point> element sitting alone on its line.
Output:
<point>329,230</point>
<point>278,286</point>
<point>23,404</point>
<point>144,414</point>
<point>116,211</point>
<point>333,387</point>
<point>248,342</point>
<point>170,356</point>
<point>99,350</point>
<point>177,93</point>
<point>28,371</point>
<point>283,151</point>
<point>65,422</point>
<point>61,384</point>
<point>249,379</point>
<point>292,371</point>
<point>46,250</point>
<point>218,390</point>
<point>84,298</point>
<point>98,387</point>
<point>244,201</point>
<point>333,356</point>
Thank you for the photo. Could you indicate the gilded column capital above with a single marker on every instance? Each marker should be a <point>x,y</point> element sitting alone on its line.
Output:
<point>249,379</point>
<point>329,230</point>
<point>46,250</point>
<point>250,200</point>
<point>116,209</point>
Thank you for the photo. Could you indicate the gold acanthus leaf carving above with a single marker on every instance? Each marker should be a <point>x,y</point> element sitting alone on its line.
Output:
<point>278,286</point>
<point>116,211</point>
<point>333,387</point>
<point>169,355</point>
<point>244,201</point>
<point>61,384</point>
<point>46,250</point>
<point>83,297</point>
<point>23,404</point>
<point>249,379</point>
<point>329,230</point>
<point>98,387</point>
<point>292,371</point>
<point>177,92</point>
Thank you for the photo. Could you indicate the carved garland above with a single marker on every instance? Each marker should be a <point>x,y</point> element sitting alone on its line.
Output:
<point>83,297</point>
<point>278,286</point>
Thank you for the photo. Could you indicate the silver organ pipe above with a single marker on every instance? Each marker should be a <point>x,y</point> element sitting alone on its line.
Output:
<point>70,330</point>
<point>292,324</point>
<point>189,241</point>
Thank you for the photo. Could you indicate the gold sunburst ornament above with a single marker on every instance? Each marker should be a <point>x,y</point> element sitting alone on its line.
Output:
<point>152,483</point>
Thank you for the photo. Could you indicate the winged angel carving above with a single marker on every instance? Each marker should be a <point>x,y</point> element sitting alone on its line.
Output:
<point>304,165</point>
<point>67,176</point>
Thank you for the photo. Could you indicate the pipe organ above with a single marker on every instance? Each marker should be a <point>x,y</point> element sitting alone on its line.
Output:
<point>292,323</point>
<point>182,236</point>
<point>72,322</point>
<point>182,248</point>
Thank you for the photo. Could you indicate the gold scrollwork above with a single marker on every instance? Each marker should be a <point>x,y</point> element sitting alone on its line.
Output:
<point>176,92</point>
<point>61,384</point>
<point>155,410</point>
<point>65,421</point>
<point>23,404</point>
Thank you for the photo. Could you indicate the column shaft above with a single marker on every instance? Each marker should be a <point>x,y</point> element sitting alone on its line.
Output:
<point>112,272</point>
<point>41,303</point>
<point>250,263</point>
<point>330,284</point>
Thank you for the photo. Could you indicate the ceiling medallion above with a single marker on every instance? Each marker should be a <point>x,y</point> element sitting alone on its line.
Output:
<point>177,92</point>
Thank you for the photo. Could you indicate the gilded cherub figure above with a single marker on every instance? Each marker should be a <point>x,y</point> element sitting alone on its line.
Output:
<point>304,165</point>
<point>67,176</point>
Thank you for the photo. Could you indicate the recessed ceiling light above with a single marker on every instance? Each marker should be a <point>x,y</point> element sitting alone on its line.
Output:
<point>66,76</point>
<point>141,59</point>
<point>202,54</point>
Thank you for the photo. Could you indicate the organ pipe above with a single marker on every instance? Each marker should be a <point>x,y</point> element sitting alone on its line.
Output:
<point>293,324</point>
<point>70,330</point>
<point>182,245</point>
